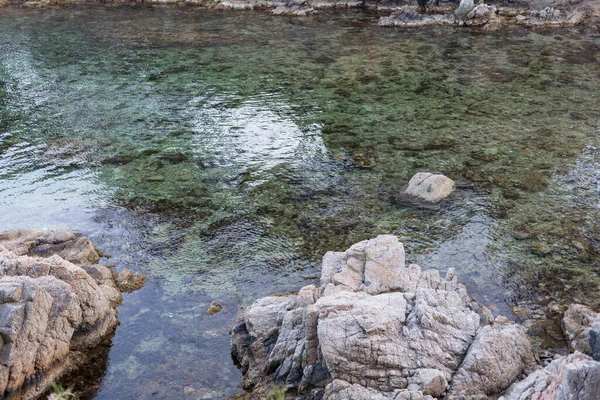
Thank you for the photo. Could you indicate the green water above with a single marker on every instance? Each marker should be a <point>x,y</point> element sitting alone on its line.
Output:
<point>222,153</point>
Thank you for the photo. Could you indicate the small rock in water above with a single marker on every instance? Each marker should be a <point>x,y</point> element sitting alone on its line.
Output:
<point>129,281</point>
<point>214,308</point>
<point>429,188</point>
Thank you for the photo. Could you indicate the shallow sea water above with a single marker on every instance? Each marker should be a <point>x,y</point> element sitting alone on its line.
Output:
<point>223,153</point>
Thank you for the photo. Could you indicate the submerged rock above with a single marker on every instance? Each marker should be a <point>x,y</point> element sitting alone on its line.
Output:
<point>52,312</point>
<point>429,188</point>
<point>377,329</point>
<point>576,376</point>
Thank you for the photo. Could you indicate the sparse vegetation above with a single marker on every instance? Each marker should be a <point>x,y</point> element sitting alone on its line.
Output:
<point>61,393</point>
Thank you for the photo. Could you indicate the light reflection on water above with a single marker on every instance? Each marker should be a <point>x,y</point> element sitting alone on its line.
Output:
<point>223,153</point>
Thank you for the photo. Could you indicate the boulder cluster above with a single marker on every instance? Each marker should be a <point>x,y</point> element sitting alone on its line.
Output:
<point>376,328</point>
<point>56,303</point>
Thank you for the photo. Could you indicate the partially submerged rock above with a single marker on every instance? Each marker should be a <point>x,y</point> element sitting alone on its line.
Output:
<point>129,281</point>
<point>52,311</point>
<point>377,329</point>
<point>576,376</point>
<point>429,188</point>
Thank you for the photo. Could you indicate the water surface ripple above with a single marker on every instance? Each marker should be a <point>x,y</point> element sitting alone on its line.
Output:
<point>223,153</point>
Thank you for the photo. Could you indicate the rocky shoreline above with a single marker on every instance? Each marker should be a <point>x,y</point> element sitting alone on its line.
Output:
<point>378,329</point>
<point>57,304</point>
<point>404,13</point>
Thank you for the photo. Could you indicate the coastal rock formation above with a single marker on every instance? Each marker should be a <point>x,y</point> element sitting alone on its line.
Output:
<point>429,188</point>
<point>294,7</point>
<point>576,376</point>
<point>464,8</point>
<point>72,247</point>
<point>52,312</point>
<point>582,329</point>
<point>376,328</point>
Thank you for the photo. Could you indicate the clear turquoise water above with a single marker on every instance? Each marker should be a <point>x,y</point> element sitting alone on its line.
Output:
<point>222,153</point>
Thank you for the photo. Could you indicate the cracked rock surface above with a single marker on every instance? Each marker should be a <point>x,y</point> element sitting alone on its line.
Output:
<point>378,329</point>
<point>52,311</point>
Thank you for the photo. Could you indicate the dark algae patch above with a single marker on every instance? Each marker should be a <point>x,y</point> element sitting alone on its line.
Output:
<point>222,154</point>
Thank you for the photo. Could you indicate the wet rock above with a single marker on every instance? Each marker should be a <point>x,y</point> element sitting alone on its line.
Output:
<point>576,376</point>
<point>214,308</point>
<point>52,312</point>
<point>129,281</point>
<point>429,188</point>
<point>378,329</point>
<point>581,326</point>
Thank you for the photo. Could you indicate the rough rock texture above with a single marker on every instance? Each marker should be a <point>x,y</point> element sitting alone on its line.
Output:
<point>464,8</point>
<point>582,329</point>
<point>378,329</point>
<point>429,188</point>
<point>73,247</point>
<point>294,7</point>
<point>408,17</point>
<point>51,310</point>
<point>575,377</point>
<point>128,281</point>
<point>480,15</point>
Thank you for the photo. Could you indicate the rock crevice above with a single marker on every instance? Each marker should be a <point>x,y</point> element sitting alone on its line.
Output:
<point>52,311</point>
<point>376,328</point>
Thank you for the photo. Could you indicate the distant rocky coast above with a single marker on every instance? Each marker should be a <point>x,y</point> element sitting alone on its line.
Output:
<point>403,13</point>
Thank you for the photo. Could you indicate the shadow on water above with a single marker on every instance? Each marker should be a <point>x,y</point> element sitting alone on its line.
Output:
<point>222,154</point>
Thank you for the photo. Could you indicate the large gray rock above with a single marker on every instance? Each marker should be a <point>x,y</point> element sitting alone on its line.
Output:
<point>52,312</point>
<point>582,329</point>
<point>496,358</point>
<point>429,188</point>
<point>575,377</point>
<point>378,329</point>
